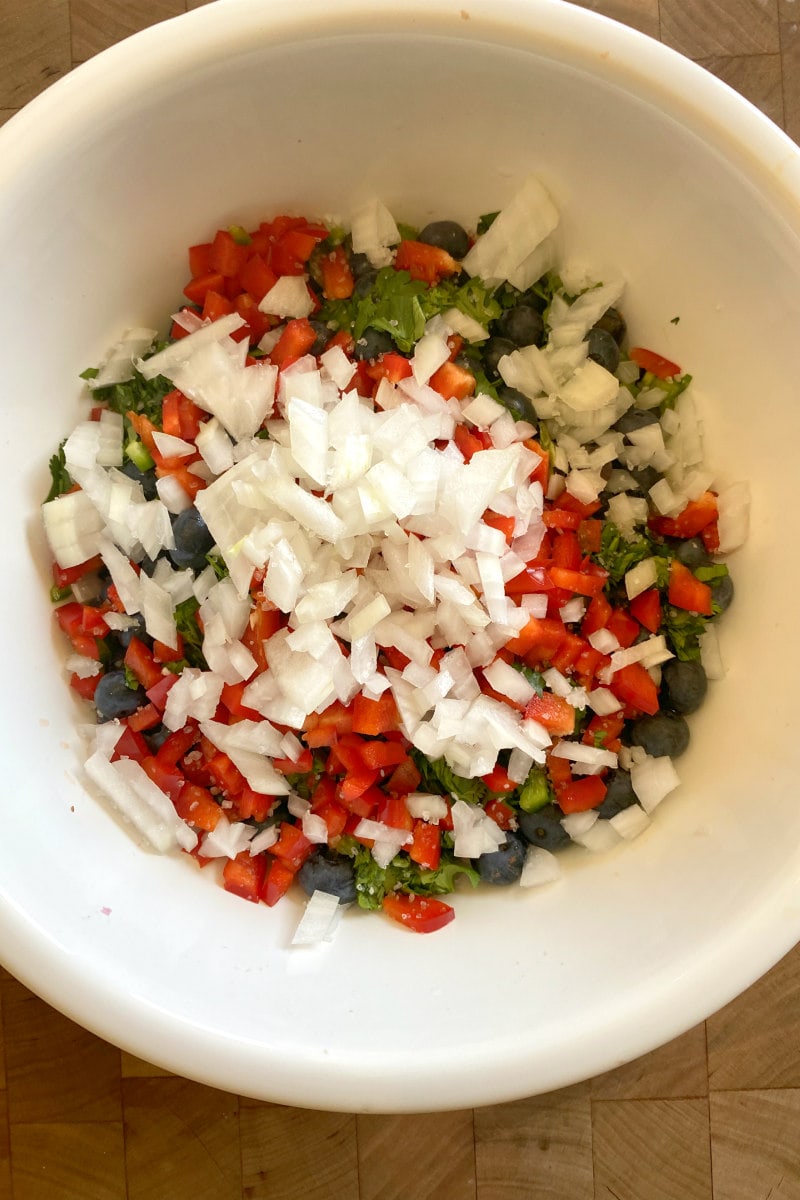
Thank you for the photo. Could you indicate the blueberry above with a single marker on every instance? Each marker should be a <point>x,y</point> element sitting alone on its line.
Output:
<point>619,794</point>
<point>685,685</point>
<point>543,828</point>
<point>146,479</point>
<point>662,734</point>
<point>691,552</point>
<point>324,335</point>
<point>635,418</point>
<point>136,630</point>
<point>155,738</point>
<point>603,349</point>
<point>613,322</point>
<point>113,698</point>
<point>504,865</point>
<point>722,592</point>
<point>645,478</point>
<point>493,350</point>
<point>517,404</point>
<point>522,325</point>
<point>192,540</point>
<point>447,235</point>
<point>325,873</point>
<point>373,343</point>
<point>364,282</point>
<point>360,265</point>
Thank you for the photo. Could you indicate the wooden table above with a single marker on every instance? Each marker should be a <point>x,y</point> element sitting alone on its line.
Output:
<point>714,1114</point>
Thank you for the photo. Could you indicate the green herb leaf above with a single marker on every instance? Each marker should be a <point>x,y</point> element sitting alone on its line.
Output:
<point>473,298</point>
<point>374,882</point>
<point>683,630</point>
<point>61,481</point>
<point>400,306</point>
<point>139,395</point>
<point>218,563</point>
<point>618,555</point>
<point>186,622</point>
<point>534,678</point>
<point>439,777</point>
<point>486,221</point>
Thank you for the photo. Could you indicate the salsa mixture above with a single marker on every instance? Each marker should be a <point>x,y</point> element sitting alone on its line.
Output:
<point>394,568</point>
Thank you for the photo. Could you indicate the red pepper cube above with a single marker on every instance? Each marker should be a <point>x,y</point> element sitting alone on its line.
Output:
<point>244,875</point>
<point>292,846</point>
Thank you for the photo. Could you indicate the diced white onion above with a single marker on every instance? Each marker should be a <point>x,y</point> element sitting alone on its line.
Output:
<point>734,516</point>
<point>540,867</point>
<point>641,577</point>
<point>289,297</point>
<point>630,822</point>
<point>652,779</point>
<point>320,918</point>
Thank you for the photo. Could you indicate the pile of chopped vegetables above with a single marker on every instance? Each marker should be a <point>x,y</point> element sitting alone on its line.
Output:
<point>394,568</point>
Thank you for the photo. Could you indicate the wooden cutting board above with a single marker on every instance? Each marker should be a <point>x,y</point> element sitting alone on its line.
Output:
<point>714,1115</point>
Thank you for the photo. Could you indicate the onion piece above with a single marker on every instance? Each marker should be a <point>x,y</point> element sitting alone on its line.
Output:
<point>320,918</point>
<point>652,779</point>
<point>289,297</point>
<point>540,867</point>
<point>630,822</point>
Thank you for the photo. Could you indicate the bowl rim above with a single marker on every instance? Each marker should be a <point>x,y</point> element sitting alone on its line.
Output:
<point>731,126</point>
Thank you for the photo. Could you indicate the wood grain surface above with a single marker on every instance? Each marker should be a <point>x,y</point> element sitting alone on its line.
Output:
<point>714,1115</point>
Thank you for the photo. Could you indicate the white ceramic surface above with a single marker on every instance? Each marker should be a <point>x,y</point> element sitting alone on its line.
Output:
<point>238,111</point>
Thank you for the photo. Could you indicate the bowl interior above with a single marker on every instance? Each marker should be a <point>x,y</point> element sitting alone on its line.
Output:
<point>233,114</point>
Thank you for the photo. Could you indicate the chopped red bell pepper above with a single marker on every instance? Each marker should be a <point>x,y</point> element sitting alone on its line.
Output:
<point>656,364</point>
<point>421,914</point>
<point>582,794</point>
<point>553,712</point>
<point>244,875</point>
<point>687,591</point>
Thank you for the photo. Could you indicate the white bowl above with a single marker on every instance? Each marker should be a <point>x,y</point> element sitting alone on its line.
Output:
<point>236,112</point>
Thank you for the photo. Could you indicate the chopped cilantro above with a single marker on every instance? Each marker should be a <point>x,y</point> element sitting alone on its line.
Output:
<point>400,306</point>
<point>683,630</point>
<point>139,395</point>
<point>392,305</point>
<point>218,563</point>
<point>57,594</point>
<point>438,776</point>
<point>61,481</point>
<point>618,555</point>
<point>545,288</point>
<point>473,298</point>
<point>186,621</point>
<point>486,221</point>
<point>374,882</point>
<point>534,678</point>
